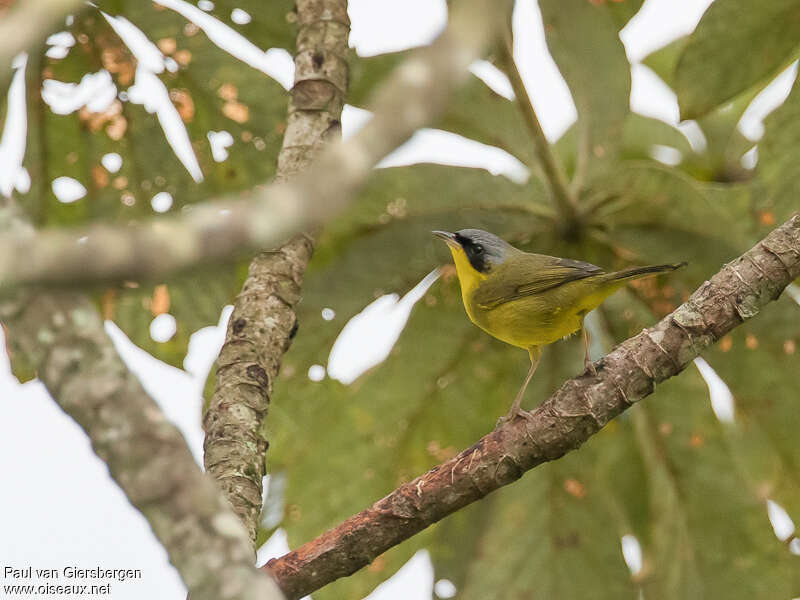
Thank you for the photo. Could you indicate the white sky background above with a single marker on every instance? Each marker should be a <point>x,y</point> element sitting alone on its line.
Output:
<point>58,507</point>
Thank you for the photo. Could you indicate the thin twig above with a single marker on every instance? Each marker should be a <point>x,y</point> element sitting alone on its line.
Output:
<point>562,197</point>
<point>62,336</point>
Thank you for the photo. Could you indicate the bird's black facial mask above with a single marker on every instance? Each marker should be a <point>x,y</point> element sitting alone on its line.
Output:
<point>483,249</point>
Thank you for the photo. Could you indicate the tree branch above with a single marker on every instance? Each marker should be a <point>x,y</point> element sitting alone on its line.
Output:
<point>416,93</point>
<point>62,335</point>
<point>263,321</point>
<point>575,412</point>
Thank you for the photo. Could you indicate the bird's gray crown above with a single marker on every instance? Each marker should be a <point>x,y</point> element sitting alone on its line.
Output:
<point>483,249</point>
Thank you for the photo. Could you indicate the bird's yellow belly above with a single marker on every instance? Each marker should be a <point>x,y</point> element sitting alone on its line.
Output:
<point>537,320</point>
<point>526,325</point>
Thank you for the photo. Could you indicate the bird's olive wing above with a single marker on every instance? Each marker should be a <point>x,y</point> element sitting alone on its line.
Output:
<point>528,275</point>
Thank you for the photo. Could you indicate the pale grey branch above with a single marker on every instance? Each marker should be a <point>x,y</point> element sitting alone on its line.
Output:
<point>62,336</point>
<point>415,94</point>
<point>263,321</point>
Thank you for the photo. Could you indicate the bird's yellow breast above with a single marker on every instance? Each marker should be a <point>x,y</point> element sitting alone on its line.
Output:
<point>529,321</point>
<point>535,320</point>
<point>469,278</point>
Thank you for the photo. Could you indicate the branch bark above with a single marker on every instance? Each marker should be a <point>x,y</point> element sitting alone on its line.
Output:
<point>416,93</point>
<point>575,412</point>
<point>62,335</point>
<point>263,321</point>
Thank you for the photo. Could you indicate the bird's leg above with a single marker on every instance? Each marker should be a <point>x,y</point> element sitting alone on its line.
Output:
<point>587,362</point>
<point>535,354</point>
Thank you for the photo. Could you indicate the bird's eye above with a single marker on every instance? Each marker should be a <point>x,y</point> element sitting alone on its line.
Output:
<point>478,249</point>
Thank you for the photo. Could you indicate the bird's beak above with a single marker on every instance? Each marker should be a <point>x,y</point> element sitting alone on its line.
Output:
<point>448,238</point>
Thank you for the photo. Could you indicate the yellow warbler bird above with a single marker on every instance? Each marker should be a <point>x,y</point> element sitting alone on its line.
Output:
<point>530,300</point>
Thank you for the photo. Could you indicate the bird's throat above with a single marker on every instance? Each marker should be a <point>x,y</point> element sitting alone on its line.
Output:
<point>468,277</point>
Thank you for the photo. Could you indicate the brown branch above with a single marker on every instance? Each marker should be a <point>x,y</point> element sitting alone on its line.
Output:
<point>62,336</point>
<point>263,321</point>
<point>416,92</point>
<point>575,412</point>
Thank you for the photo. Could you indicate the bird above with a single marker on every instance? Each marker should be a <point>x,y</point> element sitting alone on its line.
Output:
<point>531,300</point>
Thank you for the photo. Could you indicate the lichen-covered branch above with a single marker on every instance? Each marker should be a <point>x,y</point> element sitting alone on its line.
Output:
<point>263,320</point>
<point>415,93</point>
<point>27,23</point>
<point>575,412</point>
<point>61,335</point>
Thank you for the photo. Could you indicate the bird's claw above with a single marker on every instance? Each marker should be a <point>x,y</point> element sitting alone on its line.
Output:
<point>513,414</point>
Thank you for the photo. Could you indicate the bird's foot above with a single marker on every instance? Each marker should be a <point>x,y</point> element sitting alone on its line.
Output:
<point>513,414</point>
<point>589,365</point>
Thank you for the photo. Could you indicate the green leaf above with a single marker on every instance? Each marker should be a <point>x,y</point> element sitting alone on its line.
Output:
<point>700,478</point>
<point>764,438</point>
<point>479,113</point>
<point>689,550</point>
<point>777,172</point>
<point>725,144</point>
<point>664,60</point>
<point>622,12</point>
<point>655,213</point>
<point>368,72</point>
<point>553,534</point>
<point>475,111</point>
<point>641,133</point>
<point>271,25</point>
<point>729,53</point>
<point>584,41</point>
<point>195,299</point>
<point>432,192</point>
<point>390,426</point>
<point>720,160</point>
<point>211,88</point>
<point>556,533</point>
<point>355,264</point>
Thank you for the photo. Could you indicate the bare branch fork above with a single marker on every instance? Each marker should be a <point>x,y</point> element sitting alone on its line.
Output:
<point>575,412</point>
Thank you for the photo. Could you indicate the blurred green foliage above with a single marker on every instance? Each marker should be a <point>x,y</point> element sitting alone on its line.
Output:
<point>211,91</point>
<point>691,488</point>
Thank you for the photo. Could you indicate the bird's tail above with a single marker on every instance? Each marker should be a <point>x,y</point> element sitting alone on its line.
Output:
<point>636,272</point>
